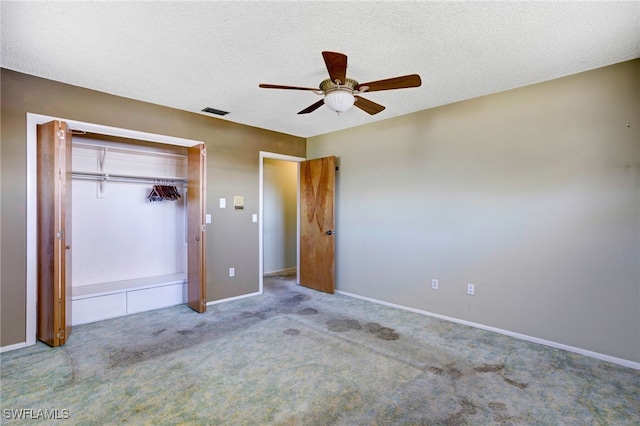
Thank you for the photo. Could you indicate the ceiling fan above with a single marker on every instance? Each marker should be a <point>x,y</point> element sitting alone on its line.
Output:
<point>341,93</point>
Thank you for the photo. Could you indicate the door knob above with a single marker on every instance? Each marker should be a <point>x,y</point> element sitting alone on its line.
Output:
<point>330,232</point>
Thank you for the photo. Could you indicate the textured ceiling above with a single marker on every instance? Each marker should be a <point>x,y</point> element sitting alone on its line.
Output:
<point>191,55</point>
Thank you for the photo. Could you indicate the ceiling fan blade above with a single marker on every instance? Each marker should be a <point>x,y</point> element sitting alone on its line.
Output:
<point>412,80</point>
<point>277,86</point>
<point>336,65</point>
<point>368,106</point>
<point>313,107</point>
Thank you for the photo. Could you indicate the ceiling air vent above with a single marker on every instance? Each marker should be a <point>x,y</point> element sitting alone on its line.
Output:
<point>215,111</point>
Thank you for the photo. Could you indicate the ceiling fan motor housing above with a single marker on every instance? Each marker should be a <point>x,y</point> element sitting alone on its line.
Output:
<point>328,86</point>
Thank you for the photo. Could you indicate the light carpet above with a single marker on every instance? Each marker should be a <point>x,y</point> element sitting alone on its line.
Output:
<point>294,356</point>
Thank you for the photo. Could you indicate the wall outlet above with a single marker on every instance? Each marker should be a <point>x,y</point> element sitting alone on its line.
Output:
<point>232,272</point>
<point>434,284</point>
<point>471,289</point>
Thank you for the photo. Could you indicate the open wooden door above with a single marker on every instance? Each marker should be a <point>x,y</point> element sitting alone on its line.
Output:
<point>317,193</point>
<point>196,260</point>
<point>54,233</point>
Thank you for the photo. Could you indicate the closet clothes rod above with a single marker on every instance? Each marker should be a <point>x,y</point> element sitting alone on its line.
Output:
<point>128,178</point>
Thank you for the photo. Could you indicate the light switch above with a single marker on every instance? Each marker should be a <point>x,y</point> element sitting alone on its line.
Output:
<point>208,218</point>
<point>254,217</point>
<point>223,203</point>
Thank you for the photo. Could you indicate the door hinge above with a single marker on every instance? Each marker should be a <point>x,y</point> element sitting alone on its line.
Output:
<point>61,334</point>
<point>60,234</point>
<point>204,152</point>
<point>204,228</point>
<point>204,304</point>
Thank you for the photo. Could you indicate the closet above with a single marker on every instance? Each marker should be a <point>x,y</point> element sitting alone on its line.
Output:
<point>120,228</point>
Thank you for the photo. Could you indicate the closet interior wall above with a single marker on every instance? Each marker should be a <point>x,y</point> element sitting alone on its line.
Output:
<point>129,254</point>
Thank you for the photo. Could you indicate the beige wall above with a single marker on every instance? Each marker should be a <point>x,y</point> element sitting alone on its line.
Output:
<point>233,166</point>
<point>533,195</point>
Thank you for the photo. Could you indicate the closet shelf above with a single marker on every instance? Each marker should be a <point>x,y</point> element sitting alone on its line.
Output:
<point>103,289</point>
<point>102,176</point>
<point>112,148</point>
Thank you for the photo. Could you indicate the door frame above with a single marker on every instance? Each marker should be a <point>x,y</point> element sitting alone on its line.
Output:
<point>32,200</point>
<point>282,157</point>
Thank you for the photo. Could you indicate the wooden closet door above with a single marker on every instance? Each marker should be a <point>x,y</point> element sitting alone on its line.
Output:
<point>196,260</point>
<point>54,233</point>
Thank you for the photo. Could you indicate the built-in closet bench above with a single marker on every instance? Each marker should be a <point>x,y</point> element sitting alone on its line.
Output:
<point>96,302</point>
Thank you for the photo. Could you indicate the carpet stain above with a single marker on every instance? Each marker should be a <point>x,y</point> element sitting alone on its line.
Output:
<point>384,333</point>
<point>295,300</point>
<point>457,418</point>
<point>515,383</point>
<point>489,368</point>
<point>449,370</point>
<point>497,406</point>
<point>173,340</point>
<point>499,416</point>
<point>254,314</point>
<point>373,327</point>
<point>494,368</point>
<point>453,372</point>
<point>291,332</point>
<point>308,311</point>
<point>435,370</point>
<point>342,325</point>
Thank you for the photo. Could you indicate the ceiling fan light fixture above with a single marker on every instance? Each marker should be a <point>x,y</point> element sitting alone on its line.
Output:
<point>340,92</point>
<point>339,100</point>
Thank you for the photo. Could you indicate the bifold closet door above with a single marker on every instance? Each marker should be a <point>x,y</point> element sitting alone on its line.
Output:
<point>54,233</point>
<point>196,260</point>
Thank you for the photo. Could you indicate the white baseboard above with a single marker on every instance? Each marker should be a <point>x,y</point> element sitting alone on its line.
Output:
<point>229,299</point>
<point>281,271</point>
<point>597,355</point>
<point>13,347</point>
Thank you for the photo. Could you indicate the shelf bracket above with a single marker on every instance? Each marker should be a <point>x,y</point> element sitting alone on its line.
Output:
<point>102,159</point>
<point>101,184</point>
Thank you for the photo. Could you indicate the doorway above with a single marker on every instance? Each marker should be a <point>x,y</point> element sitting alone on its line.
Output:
<point>279,210</point>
